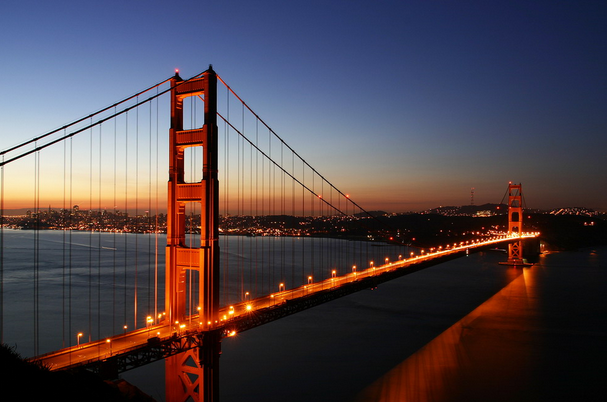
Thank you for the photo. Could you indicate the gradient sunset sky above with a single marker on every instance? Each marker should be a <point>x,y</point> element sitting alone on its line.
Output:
<point>405,105</point>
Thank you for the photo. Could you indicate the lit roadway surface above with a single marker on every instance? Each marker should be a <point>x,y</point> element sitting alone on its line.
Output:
<point>122,344</point>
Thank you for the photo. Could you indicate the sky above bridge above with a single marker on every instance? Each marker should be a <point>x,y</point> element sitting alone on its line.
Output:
<point>405,105</point>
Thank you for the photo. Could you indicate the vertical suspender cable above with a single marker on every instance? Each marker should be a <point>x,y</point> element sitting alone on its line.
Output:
<point>282,213</point>
<point>252,275</point>
<point>241,190</point>
<point>90,234</point>
<point>126,215</point>
<point>238,286</point>
<point>256,255</point>
<point>136,226</point>
<point>37,253</point>
<point>303,218</point>
<point>261,213</point>
<point>149,215</point>
<point>114,223</point>
<point>312,240</point>
<point>2,252</point>
<point>271,211</point>
<point>251,213</point>
<point>156,216</point>
<point>100,225</point>
<point>293,214</point>
<point>238,211</point>
<point>226,196</point>
<point>71,193</point>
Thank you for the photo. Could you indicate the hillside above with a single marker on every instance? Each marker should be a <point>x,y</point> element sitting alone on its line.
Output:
<point>33,382</point>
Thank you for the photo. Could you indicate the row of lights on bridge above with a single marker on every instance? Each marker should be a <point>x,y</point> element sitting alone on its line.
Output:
<point>282,288</point>
<point>431,250</point>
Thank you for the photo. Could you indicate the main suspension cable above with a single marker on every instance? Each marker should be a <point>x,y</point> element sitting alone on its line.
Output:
<point>66,136</point>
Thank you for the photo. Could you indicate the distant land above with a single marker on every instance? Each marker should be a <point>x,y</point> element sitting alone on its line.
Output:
<point>561,229</point>
<point>567,228</point>
<point>558,231</point>
<point>464,210</point>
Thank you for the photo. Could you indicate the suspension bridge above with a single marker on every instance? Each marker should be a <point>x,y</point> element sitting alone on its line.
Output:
<point>105,266</point>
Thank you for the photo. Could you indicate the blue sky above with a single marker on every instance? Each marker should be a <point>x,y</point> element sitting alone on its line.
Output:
<point>404,105</point>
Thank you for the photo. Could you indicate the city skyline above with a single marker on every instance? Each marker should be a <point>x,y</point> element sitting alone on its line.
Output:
<point>405,106</point>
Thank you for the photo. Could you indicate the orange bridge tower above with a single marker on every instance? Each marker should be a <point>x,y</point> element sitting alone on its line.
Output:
<point>515,224</point>
<point>193,375</point>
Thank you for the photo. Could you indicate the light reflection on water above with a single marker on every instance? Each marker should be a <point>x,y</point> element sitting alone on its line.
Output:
<point>445,367</point>
<point>517,346</point>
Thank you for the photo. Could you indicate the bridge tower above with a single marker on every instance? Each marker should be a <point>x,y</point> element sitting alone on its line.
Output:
<point>193,375</point>
<point>515,223</point>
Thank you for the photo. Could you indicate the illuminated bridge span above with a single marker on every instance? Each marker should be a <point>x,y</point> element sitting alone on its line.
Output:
<point>155,342</point>
<point>106,267</point>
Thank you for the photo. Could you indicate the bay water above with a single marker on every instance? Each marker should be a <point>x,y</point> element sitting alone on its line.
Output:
<point>468,329</point>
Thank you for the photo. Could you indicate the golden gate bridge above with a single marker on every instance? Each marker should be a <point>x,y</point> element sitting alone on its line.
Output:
<point>111,269</point>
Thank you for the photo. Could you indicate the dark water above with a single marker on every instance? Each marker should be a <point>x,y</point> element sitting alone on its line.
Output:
<point>542,337</point>
<point>56,284</point>
<point>469,329</point>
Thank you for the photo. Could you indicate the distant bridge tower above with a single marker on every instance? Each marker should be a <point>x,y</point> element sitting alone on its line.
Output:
<point>515,223</point>
<point>193,375</point>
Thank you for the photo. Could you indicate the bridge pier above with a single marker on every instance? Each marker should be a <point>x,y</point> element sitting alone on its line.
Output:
<point>209,356</point>
<point>193,375</point>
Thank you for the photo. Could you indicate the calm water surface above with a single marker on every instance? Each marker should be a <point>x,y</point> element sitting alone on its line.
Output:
<point>542,337</point>
<point>469,329</point>
<point>57,284</point>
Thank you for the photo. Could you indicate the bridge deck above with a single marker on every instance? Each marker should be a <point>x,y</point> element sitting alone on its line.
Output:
<point>136,348</point>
